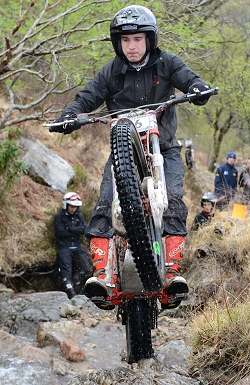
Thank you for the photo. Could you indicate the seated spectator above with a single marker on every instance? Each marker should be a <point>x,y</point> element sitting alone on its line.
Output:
<point>208,201</point>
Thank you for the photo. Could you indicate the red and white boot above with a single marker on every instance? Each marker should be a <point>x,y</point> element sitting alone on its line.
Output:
<point>176,285</point>
<point>97,288</point>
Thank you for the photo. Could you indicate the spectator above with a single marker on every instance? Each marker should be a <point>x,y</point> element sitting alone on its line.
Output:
<point>73,262</point>
<point>225,182</point>
<point>208,201</point>
<point>244,182</point>
<point>140,73</point>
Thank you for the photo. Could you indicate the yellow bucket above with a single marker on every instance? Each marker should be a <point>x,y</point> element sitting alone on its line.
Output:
<point>239,211</point>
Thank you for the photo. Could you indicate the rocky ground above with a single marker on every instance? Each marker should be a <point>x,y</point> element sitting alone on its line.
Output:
<point>47,339</point>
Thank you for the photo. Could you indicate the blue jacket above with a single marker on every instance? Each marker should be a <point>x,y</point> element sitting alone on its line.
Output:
<point>225,182</point>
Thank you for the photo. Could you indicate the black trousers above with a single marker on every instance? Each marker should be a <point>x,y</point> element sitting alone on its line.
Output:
<point>73,264</point>
<point>174,218</point>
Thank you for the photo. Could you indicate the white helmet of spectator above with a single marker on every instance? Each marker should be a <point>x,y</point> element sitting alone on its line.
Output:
<point>71,198</point>
<point>208,197</point>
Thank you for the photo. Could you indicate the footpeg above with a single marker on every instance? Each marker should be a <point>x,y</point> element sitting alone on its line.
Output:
<point>102,303</point>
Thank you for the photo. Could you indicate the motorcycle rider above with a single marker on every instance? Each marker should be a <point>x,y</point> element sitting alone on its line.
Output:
<point>140,73</point>
<point>208,201</point>
<point>73,262</point>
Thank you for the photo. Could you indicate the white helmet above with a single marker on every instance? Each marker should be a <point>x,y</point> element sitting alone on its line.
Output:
<point>72,199</point>
<point>208,197</point>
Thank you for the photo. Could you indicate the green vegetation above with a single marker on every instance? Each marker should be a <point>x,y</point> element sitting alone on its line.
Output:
<point>11,164</point>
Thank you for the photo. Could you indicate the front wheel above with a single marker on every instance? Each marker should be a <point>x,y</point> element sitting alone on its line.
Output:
<point>144,239</point>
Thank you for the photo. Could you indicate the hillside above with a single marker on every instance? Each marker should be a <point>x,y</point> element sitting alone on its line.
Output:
<point>216,260</point>
<point>27,212</point>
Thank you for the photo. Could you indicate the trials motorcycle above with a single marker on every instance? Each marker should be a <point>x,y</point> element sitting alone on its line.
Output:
<point>138,265</point>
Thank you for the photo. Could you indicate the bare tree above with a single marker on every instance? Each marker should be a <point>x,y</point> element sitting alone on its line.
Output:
<point>38,56</point>
<point>54,47</point>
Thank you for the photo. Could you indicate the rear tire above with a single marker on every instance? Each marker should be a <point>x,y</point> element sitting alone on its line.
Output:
<point>138,330</point>
<point>189,160</point>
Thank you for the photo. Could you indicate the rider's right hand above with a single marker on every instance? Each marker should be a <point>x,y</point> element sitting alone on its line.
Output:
<point>65,128</point>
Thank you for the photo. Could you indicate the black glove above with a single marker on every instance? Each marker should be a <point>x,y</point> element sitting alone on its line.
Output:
<point>197,89</point>
<point>67,128</point>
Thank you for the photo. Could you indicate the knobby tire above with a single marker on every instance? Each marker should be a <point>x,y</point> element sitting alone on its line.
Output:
<point>189,160</point>
<point>130,168</point>
<point>138,330</point>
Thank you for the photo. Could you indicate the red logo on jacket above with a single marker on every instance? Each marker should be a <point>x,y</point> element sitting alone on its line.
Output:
<point>155,82</point>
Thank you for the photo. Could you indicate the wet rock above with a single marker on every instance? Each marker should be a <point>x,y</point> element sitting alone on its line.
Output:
<point>59,366</point>
<point>176,353</point>
<point>243,381</point>
<point>68,310</point>
<point>147,372</point>
<point>90,322</point>
<point>33,353</point>
<point>89,344</point>
<point>71,351</point>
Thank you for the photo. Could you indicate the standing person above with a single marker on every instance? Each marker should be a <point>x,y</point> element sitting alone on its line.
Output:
<point>244,181</point>
<point>208,201</point>
<point>73,262</point>
<point>225,182</point>
<point>140,73</point>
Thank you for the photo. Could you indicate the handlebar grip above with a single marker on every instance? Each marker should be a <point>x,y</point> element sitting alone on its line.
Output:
<point>83,119</point>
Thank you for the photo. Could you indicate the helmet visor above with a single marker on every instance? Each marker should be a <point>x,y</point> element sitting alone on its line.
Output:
<point>74,197</point>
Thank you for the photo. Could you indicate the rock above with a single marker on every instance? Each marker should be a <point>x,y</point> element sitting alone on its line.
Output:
<point>54,333</point>
<point>71,351</point>
<point>60,367</point>
<point>68,310</point>
<point>8,342</point>
<point>176,353</point>
<point>44,166</point>
<point>243,381</point>
<point>32,353</point>
<point>90,322</point>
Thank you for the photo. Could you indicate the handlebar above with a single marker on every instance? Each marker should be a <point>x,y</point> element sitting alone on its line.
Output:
<point>178,98</point>
<point>182,98</point>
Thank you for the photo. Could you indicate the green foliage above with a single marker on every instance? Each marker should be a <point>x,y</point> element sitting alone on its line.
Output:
<point>80,175</point>
<point>11,166</point>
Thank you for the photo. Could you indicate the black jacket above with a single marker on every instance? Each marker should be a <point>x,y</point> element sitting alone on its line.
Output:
<point>201,219</point>
<point>68,228</point>
<point>122,86</point>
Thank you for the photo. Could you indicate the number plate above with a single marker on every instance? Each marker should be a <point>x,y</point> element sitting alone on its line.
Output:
<point>141,122</point>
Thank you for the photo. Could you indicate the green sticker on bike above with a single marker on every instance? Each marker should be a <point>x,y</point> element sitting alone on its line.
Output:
<point>157,248</point>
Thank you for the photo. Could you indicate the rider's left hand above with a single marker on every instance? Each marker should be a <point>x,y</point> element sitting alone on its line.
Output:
<point>196,89</point>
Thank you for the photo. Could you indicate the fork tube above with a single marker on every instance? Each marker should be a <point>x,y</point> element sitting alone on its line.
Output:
<point>158,168</point>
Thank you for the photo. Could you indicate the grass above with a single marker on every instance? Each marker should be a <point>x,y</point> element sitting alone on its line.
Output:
<point>220,337</point>
<point>220,332</point>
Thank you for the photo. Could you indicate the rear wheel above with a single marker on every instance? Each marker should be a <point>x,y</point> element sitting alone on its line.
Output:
<point>189,160</point>
<point>138,330</point>
<point>130,168</point>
